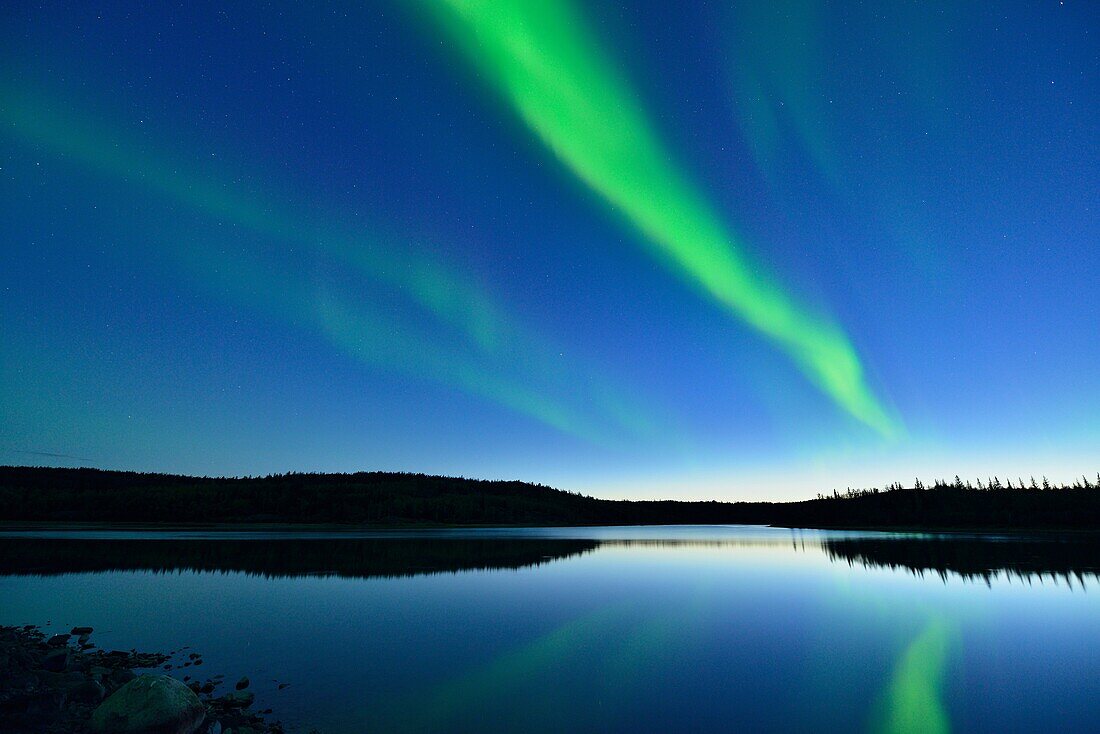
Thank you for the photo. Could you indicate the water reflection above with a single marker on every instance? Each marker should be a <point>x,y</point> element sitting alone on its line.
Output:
<point>616,630</point>
<point>1068,559</point>
<point>271,557</point>
<point>913,703</point>
<point>1071,559</point>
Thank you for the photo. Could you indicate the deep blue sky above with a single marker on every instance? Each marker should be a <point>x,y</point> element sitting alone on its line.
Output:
<point>269,237</point>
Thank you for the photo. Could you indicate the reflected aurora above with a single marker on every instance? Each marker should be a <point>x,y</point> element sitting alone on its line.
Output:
<point>914,703</point>
<point>435,709</point>
<point>629,647</point>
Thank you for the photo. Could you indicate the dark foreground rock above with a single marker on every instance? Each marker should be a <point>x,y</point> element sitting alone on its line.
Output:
<point>150,703</point>
<point>54,686</point>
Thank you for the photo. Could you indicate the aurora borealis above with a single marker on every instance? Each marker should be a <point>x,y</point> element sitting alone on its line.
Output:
<point>540,55</point>
<point>723,251</point>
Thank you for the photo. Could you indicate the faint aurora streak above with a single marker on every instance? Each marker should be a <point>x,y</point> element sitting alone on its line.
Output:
<point>777,72</point>
<point>627,644</point>
<point>494,357</point>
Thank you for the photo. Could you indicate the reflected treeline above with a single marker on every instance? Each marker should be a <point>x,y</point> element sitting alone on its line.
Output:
<point>723,544</point>
<point>347,557</point>
<point>1070,559</point>
<point>1073,559</point>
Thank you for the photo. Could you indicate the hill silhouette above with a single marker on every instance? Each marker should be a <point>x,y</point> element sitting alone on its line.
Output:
<point>36,494</point>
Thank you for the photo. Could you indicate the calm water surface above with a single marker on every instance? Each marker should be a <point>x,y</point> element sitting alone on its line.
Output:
<point>597,629</point>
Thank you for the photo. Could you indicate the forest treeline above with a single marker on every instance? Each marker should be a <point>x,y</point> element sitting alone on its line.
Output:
<point>957,504</point>
<point>30,494</point>
<point>374,498</point>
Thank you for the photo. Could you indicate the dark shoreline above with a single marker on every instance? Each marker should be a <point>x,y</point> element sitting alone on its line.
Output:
<point>56,683</point>
<point>334,529</point>
<point>392,501</point>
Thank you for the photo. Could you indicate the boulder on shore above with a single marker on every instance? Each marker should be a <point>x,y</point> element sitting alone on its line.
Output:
<point>56,659</point>
<point>238,699</point>
<point>150,704</point>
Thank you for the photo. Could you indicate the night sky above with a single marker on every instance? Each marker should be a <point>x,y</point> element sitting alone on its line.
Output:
<point>650,249</point>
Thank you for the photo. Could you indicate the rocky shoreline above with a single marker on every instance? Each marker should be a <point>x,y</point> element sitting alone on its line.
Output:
<point>64,684</point>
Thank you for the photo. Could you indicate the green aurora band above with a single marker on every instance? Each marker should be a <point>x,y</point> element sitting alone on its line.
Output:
<point>543,60</point>
<point>494,357</point>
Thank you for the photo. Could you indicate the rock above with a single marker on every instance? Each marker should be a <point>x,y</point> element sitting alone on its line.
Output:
<point>56,660</point>
<point>58,640</point>
<point>242,684</point>
<point>58,681</point>
<point>150,704</point>
<point>18,688</point>
<point>86,691</point>
<point>82,631</point>
<point>121,677</point>
<point>238,699</point>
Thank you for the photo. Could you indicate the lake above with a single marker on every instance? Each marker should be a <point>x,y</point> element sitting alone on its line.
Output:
<point>616,629</point>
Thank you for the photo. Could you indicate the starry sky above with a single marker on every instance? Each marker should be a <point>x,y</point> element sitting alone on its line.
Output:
<point>722,250</point>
